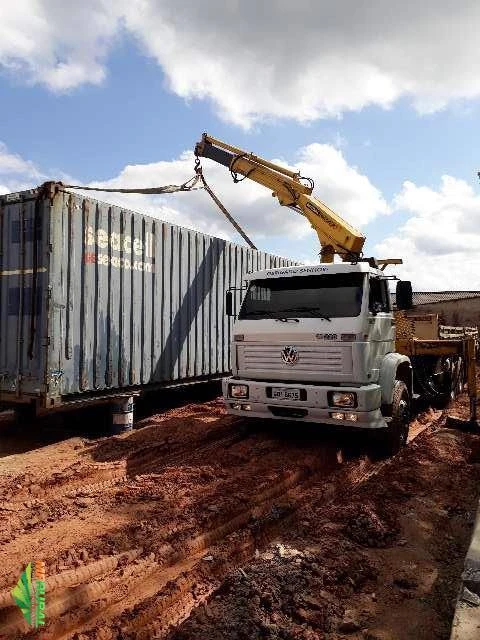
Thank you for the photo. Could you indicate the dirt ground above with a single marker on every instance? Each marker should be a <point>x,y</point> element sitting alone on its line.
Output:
<point>202,526</point>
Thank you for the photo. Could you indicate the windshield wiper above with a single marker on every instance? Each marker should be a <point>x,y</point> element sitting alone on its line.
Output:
<point>256,312</point>
<point>272,315</point>
<point>314,312</point>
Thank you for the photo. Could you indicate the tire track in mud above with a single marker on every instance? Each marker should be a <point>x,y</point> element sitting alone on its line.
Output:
<point>169,608</point>
<point>139,461</point>
<point>186,553</point>
<point>112,588</point>
<point>146,583</point>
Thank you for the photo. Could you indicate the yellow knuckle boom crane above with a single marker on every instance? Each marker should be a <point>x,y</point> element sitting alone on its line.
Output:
<point>335,234</point>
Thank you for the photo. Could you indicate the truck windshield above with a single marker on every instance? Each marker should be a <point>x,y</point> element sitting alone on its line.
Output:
<point>329,296</point>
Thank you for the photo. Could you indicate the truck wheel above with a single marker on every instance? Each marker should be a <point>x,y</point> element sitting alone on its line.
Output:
<point>396,434</point>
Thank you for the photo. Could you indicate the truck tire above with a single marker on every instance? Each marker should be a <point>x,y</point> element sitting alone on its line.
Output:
<point>395,436</point>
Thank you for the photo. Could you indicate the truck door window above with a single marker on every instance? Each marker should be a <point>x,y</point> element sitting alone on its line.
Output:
<point>379,298</point>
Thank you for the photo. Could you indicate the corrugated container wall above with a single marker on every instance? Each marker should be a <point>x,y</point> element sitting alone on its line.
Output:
<point>95,297</point>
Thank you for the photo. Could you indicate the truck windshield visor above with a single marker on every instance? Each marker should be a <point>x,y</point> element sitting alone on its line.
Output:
<point>328,296</point>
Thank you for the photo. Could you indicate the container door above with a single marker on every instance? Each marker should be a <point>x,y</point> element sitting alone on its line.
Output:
<point>102,286</point>
<point>23,294</point>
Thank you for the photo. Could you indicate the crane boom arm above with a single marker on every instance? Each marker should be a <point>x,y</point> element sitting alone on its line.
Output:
<point>336,235</point>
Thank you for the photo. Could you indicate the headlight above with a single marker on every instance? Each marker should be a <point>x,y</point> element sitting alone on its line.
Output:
<point>238,391</point>
<point>343,399</point>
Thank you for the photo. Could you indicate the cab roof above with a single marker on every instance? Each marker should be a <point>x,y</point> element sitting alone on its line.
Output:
<point>319,269</point>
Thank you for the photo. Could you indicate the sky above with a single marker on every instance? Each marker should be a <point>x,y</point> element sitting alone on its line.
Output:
<point>378,102</point>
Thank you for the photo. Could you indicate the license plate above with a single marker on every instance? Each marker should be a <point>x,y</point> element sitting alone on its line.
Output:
<point>279,393</point>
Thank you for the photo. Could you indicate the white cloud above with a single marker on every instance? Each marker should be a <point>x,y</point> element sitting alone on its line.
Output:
<point>16,173</point>
<point>340,185</point>
<point>254,61</point>
<point>11,163</point>
<point>440,242</point>
<point>58,44</point>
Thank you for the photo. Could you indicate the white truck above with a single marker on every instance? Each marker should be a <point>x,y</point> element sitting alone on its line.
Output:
<point>317,344</point>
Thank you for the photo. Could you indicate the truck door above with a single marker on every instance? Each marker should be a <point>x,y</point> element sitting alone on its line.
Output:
<point>381,329</point>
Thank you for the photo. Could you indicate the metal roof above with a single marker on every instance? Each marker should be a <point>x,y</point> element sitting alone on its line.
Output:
<point>431,297</point>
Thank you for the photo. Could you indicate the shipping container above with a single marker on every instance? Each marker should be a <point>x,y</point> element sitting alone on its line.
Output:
<point>96,299</point>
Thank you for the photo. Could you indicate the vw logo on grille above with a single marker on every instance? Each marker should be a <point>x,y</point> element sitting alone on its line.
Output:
<point>289,355</point>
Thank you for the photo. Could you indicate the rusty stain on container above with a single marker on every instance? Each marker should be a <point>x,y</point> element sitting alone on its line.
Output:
<point>97,299</point>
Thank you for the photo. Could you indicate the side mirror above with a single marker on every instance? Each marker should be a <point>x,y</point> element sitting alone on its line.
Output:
<point>229,303</point>
<point>404,295</point>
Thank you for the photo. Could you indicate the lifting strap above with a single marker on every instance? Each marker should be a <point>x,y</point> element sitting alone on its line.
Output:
<point>189,185</point>
<point>230,218</point>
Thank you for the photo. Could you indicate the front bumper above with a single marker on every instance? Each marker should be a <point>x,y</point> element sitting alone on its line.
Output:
<point>314,408</point>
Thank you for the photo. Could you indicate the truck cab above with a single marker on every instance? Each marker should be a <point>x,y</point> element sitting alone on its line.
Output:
<point>317,344</point>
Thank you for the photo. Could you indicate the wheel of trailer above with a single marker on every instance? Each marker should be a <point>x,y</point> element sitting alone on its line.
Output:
<point>395,436</point>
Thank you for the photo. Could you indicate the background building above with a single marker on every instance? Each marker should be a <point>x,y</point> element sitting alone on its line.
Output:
<point>453,307</point>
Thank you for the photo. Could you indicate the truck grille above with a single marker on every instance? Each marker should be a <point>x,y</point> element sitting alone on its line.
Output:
<point>312,359</point>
